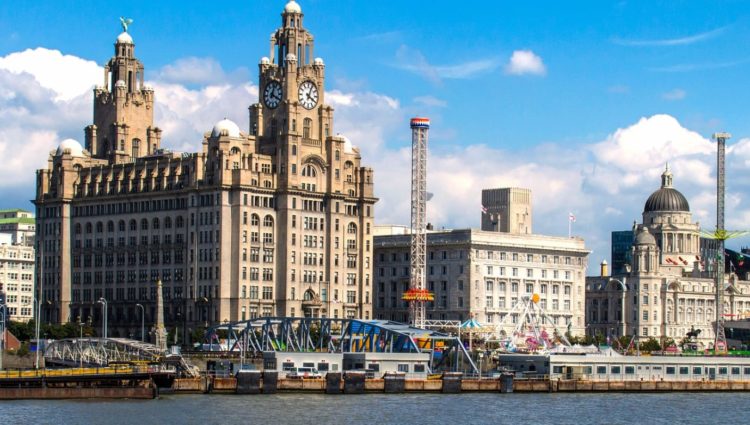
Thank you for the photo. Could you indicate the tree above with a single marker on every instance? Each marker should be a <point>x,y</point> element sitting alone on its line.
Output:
<point>649,345</point>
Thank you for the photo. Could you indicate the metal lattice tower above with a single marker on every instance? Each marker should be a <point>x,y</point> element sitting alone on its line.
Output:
<point>419,130</point>
<point>720,343</point>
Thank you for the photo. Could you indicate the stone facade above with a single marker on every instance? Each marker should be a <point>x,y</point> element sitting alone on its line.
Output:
<point>508,210</point>
<point>481,274</point>
<point>276,221</point>
<point>670,287</point>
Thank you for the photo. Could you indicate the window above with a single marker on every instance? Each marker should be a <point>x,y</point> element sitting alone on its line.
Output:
<point>306,128</point>
<point>684,370</point>
<point>615,370</point>
<point>671,370</point>
<point>601,370</point>
<point>630,370</point>
<point>697,370</point>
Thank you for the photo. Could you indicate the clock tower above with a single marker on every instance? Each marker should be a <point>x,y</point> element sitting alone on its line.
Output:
<point>324,196</point>
<point>292,120</point>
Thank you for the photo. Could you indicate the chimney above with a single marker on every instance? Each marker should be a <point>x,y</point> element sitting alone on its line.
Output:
<point>604,269</point>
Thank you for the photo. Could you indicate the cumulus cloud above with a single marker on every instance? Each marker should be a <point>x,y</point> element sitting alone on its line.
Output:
<point>193,70</point>
<point>676,94</point>
<point>524,62</point>
<point>69,77</point>
<point>604,183</point>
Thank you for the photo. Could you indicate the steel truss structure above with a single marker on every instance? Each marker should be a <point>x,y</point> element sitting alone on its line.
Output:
<point>99,351</point>
<point>308,334</point>
<point>720,343</point>
<point>420,128</point>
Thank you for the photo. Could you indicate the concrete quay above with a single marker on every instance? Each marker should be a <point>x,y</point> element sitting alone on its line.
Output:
<point>335,383</point>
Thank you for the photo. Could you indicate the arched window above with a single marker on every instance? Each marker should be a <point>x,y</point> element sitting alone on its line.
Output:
<point>121,225</point>
<point>179,222</point>
<point>78,228</point>
<point>168,223</point>
<point>99,227</point>
<point>306,128</point>
<point>89,228</point>
<point>268,221</point>
<point>235,151</point>
<point>156,223</point>
<point>309,171</point>
<point>255,220</point>
<point>267,183</point>
<point>110,226</point>
<point>133,225</point>
<point>351,229</point>
<point>144,224</point>
<point>338,155</point>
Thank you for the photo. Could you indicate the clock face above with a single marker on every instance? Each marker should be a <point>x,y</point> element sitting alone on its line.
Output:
<point>308,94</point>
<point>272,94</point>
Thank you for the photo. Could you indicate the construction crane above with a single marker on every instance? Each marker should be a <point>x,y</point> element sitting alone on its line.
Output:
<point>417,295</point>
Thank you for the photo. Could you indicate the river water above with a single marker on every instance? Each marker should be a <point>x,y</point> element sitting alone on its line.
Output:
<point>313,409</point>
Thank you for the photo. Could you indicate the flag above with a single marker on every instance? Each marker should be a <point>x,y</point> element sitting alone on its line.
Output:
<point>572,217</point>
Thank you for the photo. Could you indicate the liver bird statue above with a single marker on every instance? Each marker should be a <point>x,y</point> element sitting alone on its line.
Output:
<point>125,22</point>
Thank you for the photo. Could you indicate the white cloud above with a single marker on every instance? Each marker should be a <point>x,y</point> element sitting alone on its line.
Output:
<point>525,62</point>
<point>193,70</point>
<point>604,183</point>
<point>678,41</point>
<point>414,61</point>
<point>69,77</point>
<point>676,94</point>
<point>431,101</point>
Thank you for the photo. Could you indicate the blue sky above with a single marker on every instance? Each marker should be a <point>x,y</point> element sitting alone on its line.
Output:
<point>557,122</point>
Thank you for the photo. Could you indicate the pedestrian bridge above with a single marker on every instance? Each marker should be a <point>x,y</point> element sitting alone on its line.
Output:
<point>99,351</point>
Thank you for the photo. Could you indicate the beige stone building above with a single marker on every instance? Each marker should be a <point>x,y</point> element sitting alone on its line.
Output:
<point>481,274</point>
<point>668,289</point>
<point>17,279</point>
<point>507,210</point>
<point>273,221</point>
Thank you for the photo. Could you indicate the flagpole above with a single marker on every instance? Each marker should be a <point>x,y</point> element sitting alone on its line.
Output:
<point>570,227</point>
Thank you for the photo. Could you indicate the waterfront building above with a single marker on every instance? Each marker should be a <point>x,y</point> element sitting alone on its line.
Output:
<point>506,210</point>
<point>669,289</point>
<point>622,242</point>
<point>19,224</point>
<point>484,274</point>
<point>273,221</point>
<point>17,278</point>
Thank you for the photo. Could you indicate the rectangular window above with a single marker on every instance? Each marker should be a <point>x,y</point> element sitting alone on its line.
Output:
<point>601,370</point>
<point>670,370</point>
<point>615,370</point>
<point>629,370</point>
<point>684,370</point>
<point>697,370</point>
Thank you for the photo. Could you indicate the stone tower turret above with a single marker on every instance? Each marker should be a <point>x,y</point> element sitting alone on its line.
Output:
<point>123,126</point>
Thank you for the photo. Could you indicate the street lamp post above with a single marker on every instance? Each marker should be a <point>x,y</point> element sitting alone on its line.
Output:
<point>80,343</point>
<point>103,302</point>
<point>4,310</point>
<point>143,312</point>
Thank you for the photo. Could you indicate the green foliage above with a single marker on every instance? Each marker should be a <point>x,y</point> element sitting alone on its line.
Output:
<point>649,345</point>
<point>23,350</point>
<point>27,331</point>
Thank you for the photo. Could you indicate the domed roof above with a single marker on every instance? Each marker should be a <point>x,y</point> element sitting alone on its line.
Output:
<point>291,57</point>
<point>265,61</point>
<point>666,198</point>
<point>125,38</point>
<point>318,61</point>
<point>292,7</point>
<point>225,125</point>
<point>70,146</point>
<point>644,237</point>
<point>120,83</point>
<point>348,145</point>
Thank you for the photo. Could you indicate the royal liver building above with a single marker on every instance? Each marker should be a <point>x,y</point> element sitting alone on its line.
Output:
<point>275,221</point>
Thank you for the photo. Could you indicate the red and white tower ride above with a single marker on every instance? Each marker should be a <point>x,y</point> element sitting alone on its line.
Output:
<point>417,294</point>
